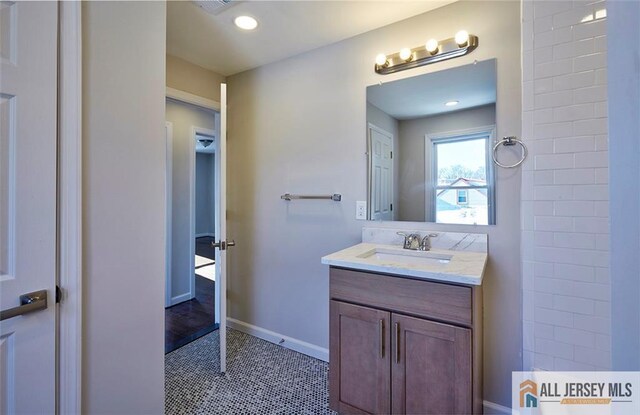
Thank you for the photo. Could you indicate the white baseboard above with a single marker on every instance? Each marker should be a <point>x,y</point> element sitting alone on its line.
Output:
<point>180,298</point>
<point>280,339</point>
<point>202,235</point>
<point>491,408</point>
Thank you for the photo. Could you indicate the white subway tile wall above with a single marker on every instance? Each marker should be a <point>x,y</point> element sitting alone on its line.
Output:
<point>565,192</point>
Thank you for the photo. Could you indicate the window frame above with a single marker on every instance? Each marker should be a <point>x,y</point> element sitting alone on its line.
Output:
<point>432,141</point>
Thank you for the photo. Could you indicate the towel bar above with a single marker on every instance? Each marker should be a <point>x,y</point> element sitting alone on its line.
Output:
<point>335,197</point>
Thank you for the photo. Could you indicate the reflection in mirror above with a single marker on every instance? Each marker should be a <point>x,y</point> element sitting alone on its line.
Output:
<point>429,141</point>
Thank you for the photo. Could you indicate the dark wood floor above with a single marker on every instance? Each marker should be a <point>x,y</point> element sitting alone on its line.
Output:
<point>204,248</point>
<point>192,319</point>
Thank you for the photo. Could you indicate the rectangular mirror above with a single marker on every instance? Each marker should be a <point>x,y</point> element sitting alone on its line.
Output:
<point>429,144</point>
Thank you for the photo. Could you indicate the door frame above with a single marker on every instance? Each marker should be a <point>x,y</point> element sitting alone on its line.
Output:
<point>69,195</point>
<point>189,98</point>
<point>213,106</point>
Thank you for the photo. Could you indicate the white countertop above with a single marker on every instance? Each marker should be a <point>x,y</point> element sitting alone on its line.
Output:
<point>463,267</point>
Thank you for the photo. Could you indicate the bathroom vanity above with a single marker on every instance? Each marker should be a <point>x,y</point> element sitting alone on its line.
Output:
<point>406,326</point>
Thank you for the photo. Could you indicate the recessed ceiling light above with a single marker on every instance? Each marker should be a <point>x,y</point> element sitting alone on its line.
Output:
<point>246,22</point>
<point>451,103</point>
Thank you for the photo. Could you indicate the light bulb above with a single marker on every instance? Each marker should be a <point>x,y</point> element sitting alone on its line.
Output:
<point>405,54</point>
<point>381,59</point>
<point>462,38</point>
<point>432,46</point>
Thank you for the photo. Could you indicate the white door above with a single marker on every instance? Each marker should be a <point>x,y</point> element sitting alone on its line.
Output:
<point>28,76</point>
<point>221,229</point>
<point>380,153</point>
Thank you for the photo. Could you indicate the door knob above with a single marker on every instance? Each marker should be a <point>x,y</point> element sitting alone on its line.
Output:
<point>29,303</point>
<point>222,245</point>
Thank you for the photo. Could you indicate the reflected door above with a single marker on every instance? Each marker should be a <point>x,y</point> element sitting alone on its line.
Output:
<point>381,164</point>
<point>28,82</point>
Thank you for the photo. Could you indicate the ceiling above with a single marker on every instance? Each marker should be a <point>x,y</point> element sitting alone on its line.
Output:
<point>286,28</point>
<point>421,96</point>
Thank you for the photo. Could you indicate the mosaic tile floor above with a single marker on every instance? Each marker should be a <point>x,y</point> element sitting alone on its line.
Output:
<point>261,378</point>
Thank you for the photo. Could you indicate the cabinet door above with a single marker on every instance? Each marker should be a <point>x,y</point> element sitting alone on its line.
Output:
<point>431,367</point>
<point>359,365</point>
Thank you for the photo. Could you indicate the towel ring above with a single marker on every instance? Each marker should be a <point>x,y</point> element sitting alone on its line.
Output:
<point>509,141</point>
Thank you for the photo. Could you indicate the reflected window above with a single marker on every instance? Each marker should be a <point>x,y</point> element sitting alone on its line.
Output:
<point>463,179</point>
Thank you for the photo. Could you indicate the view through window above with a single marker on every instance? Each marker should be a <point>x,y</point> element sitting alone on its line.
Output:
<point>461,186</point>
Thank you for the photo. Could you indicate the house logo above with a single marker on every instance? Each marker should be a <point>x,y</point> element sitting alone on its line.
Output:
<point>575,393</point>
<point>528,394</point>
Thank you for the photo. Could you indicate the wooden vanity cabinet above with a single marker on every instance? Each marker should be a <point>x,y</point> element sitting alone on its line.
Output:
<point>359,341</point>
<point>430,367</point>
<point>403,346</point>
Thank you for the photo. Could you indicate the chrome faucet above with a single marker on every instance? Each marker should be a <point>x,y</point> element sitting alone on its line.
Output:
<point>411,241</point>
<point>425,244</point>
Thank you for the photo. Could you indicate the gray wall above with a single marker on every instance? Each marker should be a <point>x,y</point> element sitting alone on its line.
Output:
<point>205,206</point>
<point>123,207</point>
<point>385,121</point>
<point>414,180</point>
<point>623,31</point>
<point>298,125</point>
<point>183,117</point>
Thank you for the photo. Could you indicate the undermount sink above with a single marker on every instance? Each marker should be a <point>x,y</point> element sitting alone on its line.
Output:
<point>406,256</point>
<point>454,257</point>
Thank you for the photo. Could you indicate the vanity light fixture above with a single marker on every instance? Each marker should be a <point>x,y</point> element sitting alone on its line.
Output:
<point>433,51</point>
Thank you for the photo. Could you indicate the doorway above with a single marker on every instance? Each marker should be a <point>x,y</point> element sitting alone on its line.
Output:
<point>190,306</point>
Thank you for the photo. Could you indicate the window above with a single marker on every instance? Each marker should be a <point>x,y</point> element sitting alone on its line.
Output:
<point>462,178</point>
<point>462,197</point>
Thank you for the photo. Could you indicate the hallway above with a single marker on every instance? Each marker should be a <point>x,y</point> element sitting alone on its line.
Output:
<point>192,319</point>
